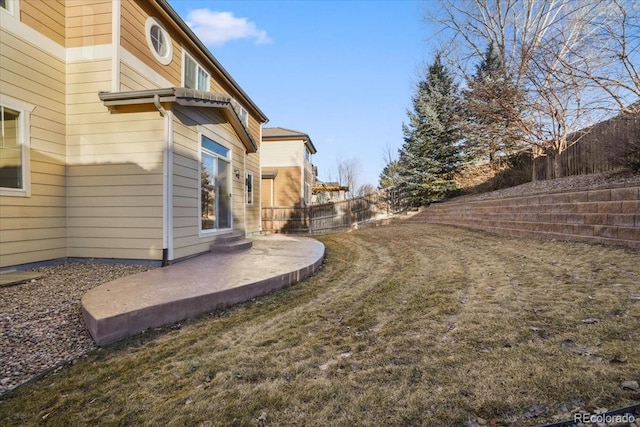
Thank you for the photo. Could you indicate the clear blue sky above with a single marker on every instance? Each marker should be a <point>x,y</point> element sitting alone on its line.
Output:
<point>341,71</point>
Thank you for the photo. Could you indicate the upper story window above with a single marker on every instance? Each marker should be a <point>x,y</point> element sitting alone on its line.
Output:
<point>159,41</point>
<point>244,116</point>
<point>194,76</point>
<point>307,154</point>
<point>14,147</point>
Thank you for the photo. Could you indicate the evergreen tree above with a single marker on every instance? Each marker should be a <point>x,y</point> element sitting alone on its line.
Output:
<point>390,175</point>
<point>430,154</point>
<point>492,106</point>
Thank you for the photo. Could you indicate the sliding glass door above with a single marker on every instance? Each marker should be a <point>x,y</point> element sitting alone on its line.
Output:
<point>215,186</point>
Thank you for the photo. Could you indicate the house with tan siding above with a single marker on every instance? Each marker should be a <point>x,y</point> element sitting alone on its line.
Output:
<point>122,136</point>
<point>288,173</point>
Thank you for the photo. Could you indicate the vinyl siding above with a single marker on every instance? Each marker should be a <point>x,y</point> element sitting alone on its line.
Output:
<point>48,17</point>
<point>282,153</point>
<point>115,172</point>
<point>188,123</point>
<point>134,39</point>
<point>288,186</point>
<point>254,213</point>
<point>88,22</point>
<point>33,228</point>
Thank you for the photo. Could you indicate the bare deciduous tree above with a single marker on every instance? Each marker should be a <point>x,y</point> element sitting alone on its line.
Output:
<point>553,50</point>
<point>349,175</point>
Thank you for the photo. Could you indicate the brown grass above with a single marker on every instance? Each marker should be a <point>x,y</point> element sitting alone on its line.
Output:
<point>405,325</point>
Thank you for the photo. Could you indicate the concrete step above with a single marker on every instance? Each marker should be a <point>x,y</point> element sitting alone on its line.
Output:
<point>232,236</point>
<point>233,246</point>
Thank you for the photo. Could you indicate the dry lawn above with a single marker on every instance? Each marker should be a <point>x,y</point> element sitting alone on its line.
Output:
<point>405,325</point>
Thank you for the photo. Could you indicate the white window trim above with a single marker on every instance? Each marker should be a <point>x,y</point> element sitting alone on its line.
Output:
<point>198,66</point>
<point>211,136</point>
<point>164,60</point>
<point>244,116</point>
<point>249,200</point>
<point>13,8</point>
<point>25,110</point>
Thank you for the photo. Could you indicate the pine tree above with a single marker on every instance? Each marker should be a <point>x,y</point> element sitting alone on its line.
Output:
<point>390,175</point>
<point>430,154</point>
<point>492,106</point>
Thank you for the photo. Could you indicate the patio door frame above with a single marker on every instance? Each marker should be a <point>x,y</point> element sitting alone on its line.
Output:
<point>222,186</point>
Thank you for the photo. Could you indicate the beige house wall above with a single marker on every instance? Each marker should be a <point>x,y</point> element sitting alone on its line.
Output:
<point>88,23</point>
<point>253,212</point>
<point>96,177</point>
<point>115,172</point>
<point>48,17</point>
<point>287,187</point>
<point>189,124</point>
<point>266,194</point>
<point>282,153</point>
<point>34,226</point>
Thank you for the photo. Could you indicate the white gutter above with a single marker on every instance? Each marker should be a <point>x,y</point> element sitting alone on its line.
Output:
<point>167,183</point>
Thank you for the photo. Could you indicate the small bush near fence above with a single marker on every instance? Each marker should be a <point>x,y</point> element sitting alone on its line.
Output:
<point>330,217</point>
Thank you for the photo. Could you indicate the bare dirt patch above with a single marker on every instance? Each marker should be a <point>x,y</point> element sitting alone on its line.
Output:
<point>410,324</point>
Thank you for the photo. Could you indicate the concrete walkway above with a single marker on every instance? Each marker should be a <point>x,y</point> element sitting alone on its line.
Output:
<point>129,305</point>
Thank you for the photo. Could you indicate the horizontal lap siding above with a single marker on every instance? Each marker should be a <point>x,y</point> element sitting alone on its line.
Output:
<point>115,172</point>
<point>287,191</point>
<point>132,79</point>
<point>48,17</point>
<point>186,214</point>
<point>253,213</point>
<point>32,228</point>
<point>88,22</point>
<point>133,39</point>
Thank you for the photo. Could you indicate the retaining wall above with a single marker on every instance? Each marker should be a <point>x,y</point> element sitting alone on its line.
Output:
<point>608,216</point>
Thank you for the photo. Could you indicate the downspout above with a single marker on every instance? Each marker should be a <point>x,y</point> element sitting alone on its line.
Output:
<point>167,183</point>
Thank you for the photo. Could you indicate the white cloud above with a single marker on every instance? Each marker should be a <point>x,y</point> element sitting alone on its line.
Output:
<point>217,28</point>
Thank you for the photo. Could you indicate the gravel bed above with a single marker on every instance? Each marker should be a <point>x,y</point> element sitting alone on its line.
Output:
<point>41,325</point>
<point>569,183</point>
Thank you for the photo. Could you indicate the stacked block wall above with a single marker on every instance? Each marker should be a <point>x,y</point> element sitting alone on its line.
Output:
<point>606,216</point>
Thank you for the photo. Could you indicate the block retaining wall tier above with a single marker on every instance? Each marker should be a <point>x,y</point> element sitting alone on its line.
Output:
<point>607,216</point>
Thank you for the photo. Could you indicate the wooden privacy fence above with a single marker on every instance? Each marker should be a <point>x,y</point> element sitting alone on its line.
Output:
<point>330,216</point>
<point>597,151</point>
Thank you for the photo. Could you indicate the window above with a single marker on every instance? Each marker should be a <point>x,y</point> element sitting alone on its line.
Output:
<point>159,42</point>
<point>10,150</point>
<point>249,188</point>
<point>307,154</point>
<point>244,116</point>
<point>195,77</point>
<point>10,6</point>
<point>215,186</point>
<point>14,147</point>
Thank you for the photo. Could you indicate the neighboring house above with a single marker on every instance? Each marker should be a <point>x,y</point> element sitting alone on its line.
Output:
<point>328,192</point>
<point>287,170</point>
<point>122,136</point>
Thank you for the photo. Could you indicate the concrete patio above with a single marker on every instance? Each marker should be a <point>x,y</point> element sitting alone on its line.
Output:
<point>127,306</point>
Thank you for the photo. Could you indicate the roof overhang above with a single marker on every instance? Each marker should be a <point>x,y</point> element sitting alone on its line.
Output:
<point>182,25</point>
<point>291,135</point>
<point>269,173</point>
<point>186,98</point>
